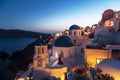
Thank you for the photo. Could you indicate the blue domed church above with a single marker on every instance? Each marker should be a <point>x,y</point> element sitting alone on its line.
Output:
<point>75,33</point>
<point>64,54</point>
<point>68,45</point>
<point>63,46</point>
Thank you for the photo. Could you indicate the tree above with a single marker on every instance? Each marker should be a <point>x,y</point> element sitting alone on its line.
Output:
<point>78,73</point>
<point>99,76</point>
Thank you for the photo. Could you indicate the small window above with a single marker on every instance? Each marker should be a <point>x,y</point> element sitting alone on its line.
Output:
<point>43,50</point>
<point>74,41</point>
<point>38,50</point>
<point>74,33</point>
<point>39,63</point>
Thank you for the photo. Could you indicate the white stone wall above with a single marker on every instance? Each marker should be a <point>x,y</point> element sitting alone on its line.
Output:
<point>115,19</point>
<point>67,51</point>
<point>91,55</point>
<point>76,36</point>
<point>111,67</point>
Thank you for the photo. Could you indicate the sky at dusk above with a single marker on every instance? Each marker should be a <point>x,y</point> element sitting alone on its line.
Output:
<point>50,16</point>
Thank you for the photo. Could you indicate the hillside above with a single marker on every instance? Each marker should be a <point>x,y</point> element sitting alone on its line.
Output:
<point>16,33</point>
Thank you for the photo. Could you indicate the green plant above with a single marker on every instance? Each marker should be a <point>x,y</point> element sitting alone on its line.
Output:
<point>98,75</point>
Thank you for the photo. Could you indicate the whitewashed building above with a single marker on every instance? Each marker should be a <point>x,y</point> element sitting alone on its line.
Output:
<point>63,46</point>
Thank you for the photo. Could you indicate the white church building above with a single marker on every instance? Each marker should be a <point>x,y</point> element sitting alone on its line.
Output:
<point>65,54</point>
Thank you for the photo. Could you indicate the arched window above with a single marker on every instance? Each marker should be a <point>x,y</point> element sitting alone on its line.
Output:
<point>74,33</point>
<point>74,41</point>
<point>38,50</point>
<point>42,50</point>
<point>39,63</point>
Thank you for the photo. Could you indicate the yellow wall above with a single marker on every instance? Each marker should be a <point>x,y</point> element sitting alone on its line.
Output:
<point>43,72</point>
<point>59,72</point>
<point>91,55</point>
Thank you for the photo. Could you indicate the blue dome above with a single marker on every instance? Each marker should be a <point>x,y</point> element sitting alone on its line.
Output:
<point>63,41</point>
<point>73,27</point>
<point>39,42</point>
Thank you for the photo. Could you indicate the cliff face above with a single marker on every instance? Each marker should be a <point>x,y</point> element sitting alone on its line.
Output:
<point>19,60</point>
<point>20,34</point>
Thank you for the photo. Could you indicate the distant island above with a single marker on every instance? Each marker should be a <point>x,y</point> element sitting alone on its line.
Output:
<point>16,33</point>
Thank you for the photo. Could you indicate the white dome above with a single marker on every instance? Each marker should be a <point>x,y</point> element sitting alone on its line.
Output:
<point>111,67</point>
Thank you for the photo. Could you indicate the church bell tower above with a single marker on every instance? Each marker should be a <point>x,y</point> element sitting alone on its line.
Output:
<point>40,58</point>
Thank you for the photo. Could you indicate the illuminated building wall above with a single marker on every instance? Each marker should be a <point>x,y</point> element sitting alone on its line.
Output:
<point>64,51</point>
<point>41,56</point>
<point>94,56</point>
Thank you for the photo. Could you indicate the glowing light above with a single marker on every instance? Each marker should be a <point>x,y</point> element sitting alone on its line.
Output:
<point>99,60</point>
<point>28,78</point>
<point>109,23</point>
<point>63,77</point>
<point>21,79</point>
<point>59,72</point>
<point>57,34</point>
<point>56,55</point>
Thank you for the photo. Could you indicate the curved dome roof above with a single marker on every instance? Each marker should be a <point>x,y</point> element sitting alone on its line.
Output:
<point>39,42</point>
<point>63,41</point>
<point>111,67</point>
<point>73,27</point>
<point>107,14</point>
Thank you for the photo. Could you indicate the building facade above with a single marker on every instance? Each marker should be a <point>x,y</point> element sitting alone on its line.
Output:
<point>40,58</point>
<point>75,33</point>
